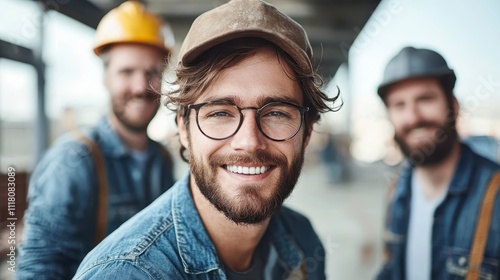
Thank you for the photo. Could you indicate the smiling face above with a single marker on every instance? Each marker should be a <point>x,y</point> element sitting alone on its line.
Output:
<point>247,176</point>
<point>423,119</point>
<point>133,78</point>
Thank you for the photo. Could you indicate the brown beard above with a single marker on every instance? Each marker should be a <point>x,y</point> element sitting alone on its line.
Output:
<point>432,153</point>
<point>119,109</point>
<point>251,208</point>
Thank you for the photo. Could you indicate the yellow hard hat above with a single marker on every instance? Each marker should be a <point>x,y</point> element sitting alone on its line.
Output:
<point>132,23</point>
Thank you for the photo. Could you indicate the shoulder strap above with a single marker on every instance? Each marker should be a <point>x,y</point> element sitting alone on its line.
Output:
<point>388,235</point>
<point>102,206</point>
<point>482,228</point>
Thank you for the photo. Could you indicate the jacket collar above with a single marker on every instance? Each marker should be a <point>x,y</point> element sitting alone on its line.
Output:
<point>109,141</point>
<point>463,172</point>
<point>288,251</point>
<point>459,182</point>
<point>197,251</point>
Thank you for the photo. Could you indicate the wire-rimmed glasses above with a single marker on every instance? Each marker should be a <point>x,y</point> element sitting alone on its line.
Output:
<point>278,121</point>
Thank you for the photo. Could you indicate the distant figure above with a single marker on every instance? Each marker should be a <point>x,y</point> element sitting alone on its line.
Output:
<point>333,160</point>
<point>444,213</point>
<point>87,186</point>
<point>247,100</point>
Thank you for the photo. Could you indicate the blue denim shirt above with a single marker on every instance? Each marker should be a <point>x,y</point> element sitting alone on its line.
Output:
<point>454,223</point>
<point>167,240</point>
<point>61,218</point>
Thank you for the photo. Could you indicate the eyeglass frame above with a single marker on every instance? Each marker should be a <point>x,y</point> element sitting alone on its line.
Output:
<point>302,111</point>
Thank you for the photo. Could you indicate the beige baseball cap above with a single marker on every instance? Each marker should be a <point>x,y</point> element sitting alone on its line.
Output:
<point>247,18</point>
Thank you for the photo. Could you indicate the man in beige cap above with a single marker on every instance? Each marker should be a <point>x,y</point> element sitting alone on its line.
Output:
<point>246,103</point>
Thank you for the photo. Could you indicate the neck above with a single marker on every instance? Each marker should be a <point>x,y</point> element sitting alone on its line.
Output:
<point>136,140</point>
<point>437,177</point>
<point>235,244</point>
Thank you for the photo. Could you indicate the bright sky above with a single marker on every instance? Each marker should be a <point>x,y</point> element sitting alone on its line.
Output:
<point>467,33</point>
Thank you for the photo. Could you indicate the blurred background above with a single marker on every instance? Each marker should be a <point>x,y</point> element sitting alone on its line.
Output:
<point>51,83</point>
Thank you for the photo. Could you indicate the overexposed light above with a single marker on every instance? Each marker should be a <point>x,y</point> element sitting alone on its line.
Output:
<point>18,92</point>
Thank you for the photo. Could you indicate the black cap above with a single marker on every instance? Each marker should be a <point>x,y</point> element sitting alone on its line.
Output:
<point>416,63</point>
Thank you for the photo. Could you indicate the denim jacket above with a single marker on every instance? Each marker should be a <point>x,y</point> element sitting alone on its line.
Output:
<point>60,221</point>
<point>167,240</point>
<point>454,223</point>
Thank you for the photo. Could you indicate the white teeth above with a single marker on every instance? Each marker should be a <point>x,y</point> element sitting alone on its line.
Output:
<point>137,101</point>
<point>419,132</point>
<point>246,169</point>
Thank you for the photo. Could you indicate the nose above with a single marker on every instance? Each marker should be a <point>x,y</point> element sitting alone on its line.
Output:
<point>249,138</point>
<point>412,115</point>
<point>139,84</point>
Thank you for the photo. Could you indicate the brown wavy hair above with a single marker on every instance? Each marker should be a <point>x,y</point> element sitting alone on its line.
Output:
<point>194,79</point>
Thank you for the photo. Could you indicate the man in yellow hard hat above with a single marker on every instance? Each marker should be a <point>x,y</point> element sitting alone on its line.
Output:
<point>90,183</point>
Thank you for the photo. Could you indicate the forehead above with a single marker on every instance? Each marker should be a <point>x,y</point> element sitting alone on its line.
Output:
<point>126,55</point>
<point>413,88</point>
<point>256,78</point>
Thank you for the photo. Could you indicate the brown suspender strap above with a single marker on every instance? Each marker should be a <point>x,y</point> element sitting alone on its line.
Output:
<point>102,206</point>
<point>482,229</point>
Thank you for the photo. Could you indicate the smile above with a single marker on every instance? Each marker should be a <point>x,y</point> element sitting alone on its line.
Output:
<point>419,132</point>
<point>246,169</point>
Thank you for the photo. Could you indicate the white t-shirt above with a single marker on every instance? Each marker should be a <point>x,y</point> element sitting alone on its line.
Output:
<point>419,245</point>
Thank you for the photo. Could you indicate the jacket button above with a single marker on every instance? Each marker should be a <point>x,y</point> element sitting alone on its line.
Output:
<point>462,261</point>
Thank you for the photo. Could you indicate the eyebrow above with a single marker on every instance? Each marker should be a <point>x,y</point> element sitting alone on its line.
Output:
<point>428,93</point>
<point>233,99</point>
<point>285,99</point>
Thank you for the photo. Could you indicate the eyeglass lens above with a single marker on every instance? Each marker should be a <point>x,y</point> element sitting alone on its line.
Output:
<point>278,121</point>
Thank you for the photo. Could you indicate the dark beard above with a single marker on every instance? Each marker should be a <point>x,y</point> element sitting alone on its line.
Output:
<point>257,210</point>
<point>435,152</point>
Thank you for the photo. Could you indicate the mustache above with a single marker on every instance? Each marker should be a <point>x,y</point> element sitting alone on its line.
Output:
<point>258,157</point>
<point>148,94</point>
<point>422,124</point>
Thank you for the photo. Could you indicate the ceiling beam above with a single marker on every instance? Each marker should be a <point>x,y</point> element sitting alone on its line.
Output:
<point>80,10</point>
<point>17,53</point>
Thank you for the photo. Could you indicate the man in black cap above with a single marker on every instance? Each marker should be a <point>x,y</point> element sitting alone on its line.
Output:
<point>246,103</point>
<point>443,220</point>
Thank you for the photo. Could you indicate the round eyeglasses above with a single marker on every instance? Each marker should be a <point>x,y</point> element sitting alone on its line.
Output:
<point>278,121</point>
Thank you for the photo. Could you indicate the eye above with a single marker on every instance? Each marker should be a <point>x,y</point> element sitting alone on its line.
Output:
<point>126,71</point>
<point>277,114</point>
<point>396,105</point>
<point>427,98</point>
<point>153,74</point>
<point>218,111</point>
<point>218,114</point>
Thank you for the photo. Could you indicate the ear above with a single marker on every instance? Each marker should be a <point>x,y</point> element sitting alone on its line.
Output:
<point>307,137</point>
<point>456,107</point>
<point>183,132</point>
<point>105,77</point>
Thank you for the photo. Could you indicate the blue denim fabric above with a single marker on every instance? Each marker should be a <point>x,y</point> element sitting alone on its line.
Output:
<point>167,240</point>
<point>61,218</point>
<point>454,223</point>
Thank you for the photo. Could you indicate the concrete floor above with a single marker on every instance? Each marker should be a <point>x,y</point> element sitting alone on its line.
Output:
<point>347,216</point>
